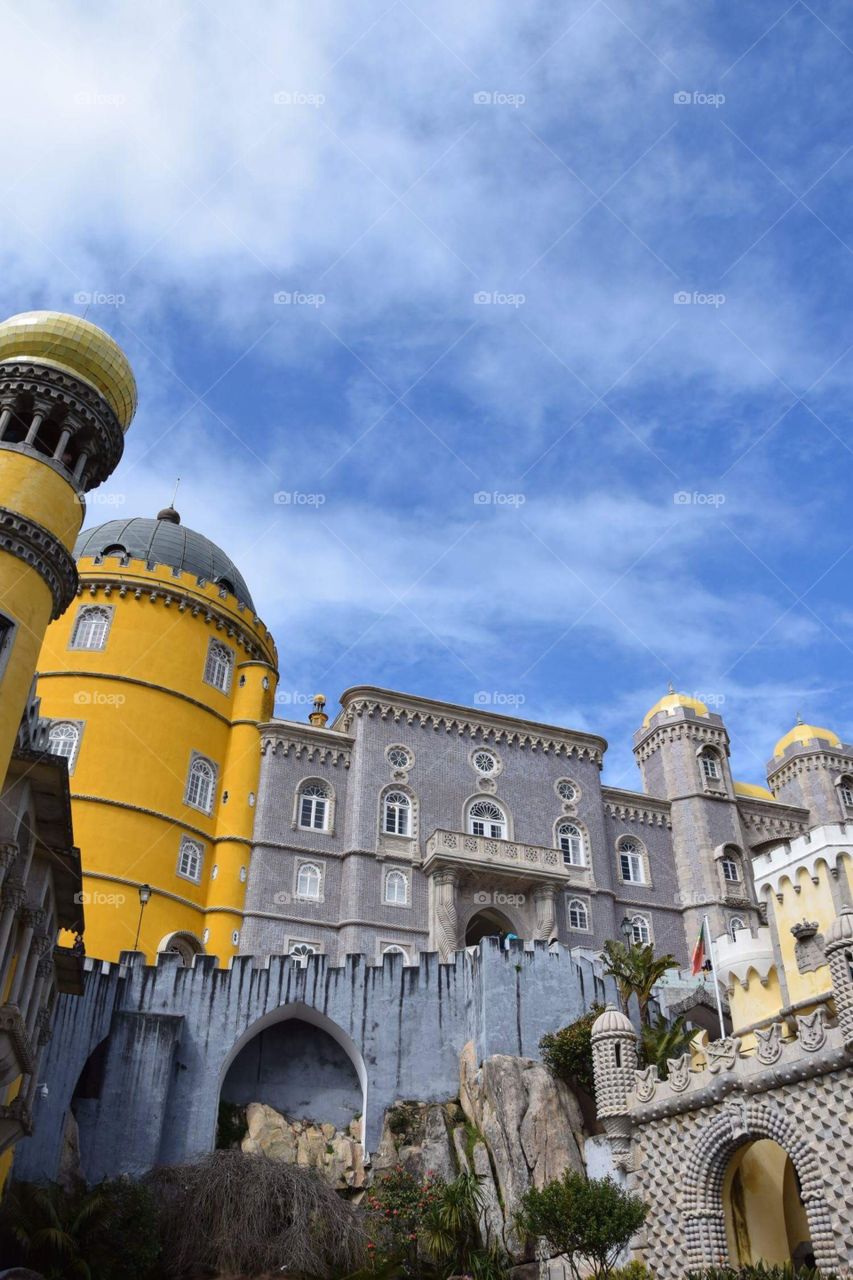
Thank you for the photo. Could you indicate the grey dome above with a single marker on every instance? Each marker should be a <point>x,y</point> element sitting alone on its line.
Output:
<point>166,541</point>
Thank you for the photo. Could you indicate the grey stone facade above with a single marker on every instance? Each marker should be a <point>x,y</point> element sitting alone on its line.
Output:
<point>684,826</point>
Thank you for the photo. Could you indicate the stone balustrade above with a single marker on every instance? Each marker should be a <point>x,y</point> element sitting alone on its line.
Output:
<point>522,861</point>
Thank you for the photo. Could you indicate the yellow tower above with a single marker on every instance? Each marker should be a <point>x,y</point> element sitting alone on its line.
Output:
<point>67,395</point>
<point>159,677</point>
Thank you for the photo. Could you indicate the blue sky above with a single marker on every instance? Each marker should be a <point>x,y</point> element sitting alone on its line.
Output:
<point>178,168</point>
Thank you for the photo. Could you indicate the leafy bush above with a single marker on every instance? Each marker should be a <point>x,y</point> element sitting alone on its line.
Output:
<point>588,1220</point>
<point>568,1053</point>
<point>632,1271</point>
<point>247,1214</point>
<point>396,1207</point>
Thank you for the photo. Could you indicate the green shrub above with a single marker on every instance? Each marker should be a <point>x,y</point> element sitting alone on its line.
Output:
<point>590,1221</point>
<point>632,1271</point>
<point>568,1053</point>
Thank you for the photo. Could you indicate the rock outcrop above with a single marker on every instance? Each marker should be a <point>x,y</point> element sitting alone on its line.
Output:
<point>338,1155</point>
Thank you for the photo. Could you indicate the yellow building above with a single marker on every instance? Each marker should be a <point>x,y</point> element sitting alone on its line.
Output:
<point>159,676</point>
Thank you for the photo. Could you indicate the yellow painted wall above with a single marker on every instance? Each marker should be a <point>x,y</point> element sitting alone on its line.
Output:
<point>765,1218</point>
<point>145,710</point>
<point>756,1003</point>
<point>30,488</point>
<point>802,899</point>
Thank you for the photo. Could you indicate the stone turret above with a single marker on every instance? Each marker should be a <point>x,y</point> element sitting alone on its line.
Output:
<point>614,1062</point>
<point>838,948</point>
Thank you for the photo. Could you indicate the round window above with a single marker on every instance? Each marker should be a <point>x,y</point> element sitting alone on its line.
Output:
<point>399,757</point>
<point>484,762</point>
<point>566,790</point>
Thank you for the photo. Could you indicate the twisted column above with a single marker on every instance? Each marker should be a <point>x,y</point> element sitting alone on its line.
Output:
<point>446,913</point>
<point>545,903</point>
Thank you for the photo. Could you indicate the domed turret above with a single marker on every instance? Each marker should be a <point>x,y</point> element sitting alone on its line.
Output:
<point>804,734</point>
<point>671,702</point>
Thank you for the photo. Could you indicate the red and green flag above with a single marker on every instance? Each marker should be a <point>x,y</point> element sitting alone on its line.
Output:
<point>697,960</point>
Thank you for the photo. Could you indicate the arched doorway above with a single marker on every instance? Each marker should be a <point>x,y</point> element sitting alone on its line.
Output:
<point>766,1219</point>
<point>300,1063</point>
<point>488,923</point>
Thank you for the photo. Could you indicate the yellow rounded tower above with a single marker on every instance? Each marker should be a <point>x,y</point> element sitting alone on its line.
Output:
<point>159,677</point>
<point>67,395</point>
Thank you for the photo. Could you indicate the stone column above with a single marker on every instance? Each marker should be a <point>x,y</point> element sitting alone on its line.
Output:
<point>445,912</point>
<point>545,903</point>
<point>12,897</point>
<point>39,945</point>
<point>8,854</point>
<point>43,975</point>
<point>31,919</point>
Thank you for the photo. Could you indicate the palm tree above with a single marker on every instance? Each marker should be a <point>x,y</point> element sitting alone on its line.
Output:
<point>50,1227</point>
<point>663,1040</point>
<point>636,970</point>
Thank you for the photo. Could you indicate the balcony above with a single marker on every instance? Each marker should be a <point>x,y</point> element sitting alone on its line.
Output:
<point>16,1052</point>
<point>503,857</point>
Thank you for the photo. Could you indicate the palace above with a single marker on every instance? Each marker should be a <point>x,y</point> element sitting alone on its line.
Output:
<point>244,873</point>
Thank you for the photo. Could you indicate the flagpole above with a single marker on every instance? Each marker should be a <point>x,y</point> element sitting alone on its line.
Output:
<point>707,928</point>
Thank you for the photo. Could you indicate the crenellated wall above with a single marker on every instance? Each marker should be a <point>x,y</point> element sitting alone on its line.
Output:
<point>170,1033</point>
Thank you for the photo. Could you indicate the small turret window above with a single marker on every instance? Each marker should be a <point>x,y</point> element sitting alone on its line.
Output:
<point>845,790</point>
<point>570,841</point>
<point>91,627</point>
<point>710,762</point>
<point>189,860</point>
<point>731,874</point>
<point>114,549</point>
<point>735,925</point>
<point>219,666</point>
<point>578,914</point>
<point>641,933</point>
<point>64,739</point>
<point>308,880</point>
<point>396,888</point>
<point>632,861</point>
<point>200,784</point>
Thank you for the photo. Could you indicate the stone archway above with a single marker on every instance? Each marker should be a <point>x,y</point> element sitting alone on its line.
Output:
<point>302,1015</point>
<point>488,923</point>
<point>704,1217</point>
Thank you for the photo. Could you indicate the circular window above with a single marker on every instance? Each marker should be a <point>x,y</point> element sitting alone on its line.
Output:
<point>399,757</point>
<point>567,790</point>
<point>484,761</point>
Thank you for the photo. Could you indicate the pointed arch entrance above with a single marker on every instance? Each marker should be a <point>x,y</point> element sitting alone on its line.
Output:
<point>710,1216</point>
<point>488,923</point>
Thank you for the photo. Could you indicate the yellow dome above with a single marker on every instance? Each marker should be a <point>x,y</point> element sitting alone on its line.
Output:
<point>755,792</point>
<point>78,347</point>
<point>806,733</point>
<point>672,700</point>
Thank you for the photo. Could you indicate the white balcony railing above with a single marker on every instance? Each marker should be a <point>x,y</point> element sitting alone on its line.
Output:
<point>524,861</point>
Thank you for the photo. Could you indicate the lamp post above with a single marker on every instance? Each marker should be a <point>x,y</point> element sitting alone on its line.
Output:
<point>627,930</point>
<point>144,896</point>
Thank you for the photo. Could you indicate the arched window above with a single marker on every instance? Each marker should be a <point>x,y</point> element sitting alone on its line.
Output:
<point>219,665</point>
<point>735,924</point>
<point>308,882</point>
<point>392,949</point>
<point>200,784</point>
<point>314,806</point>
<point>641,933</point>
<point>578,914</point>
<point>91,628</point>
<point>631,862</point>
<point>710,763</point>
<point>845,790</point>
<point>189,859</point>
<point>114,549</point>
<point>731,872</point>
<point>64,739</point>
<point>485,818</point>
<point>570,841</point>
<point>397,814</point>
<point>396,888</point>
<point>185,945</point>
<point>300,951</point>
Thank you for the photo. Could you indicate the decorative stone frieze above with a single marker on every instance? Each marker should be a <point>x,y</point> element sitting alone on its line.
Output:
<point>38,547</point>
